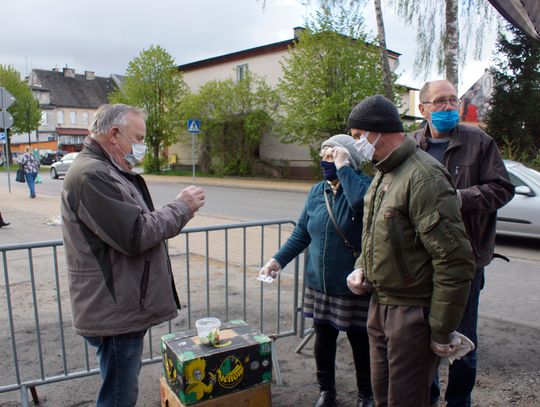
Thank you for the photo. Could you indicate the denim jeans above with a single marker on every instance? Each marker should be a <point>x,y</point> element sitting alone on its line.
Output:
<point>120,361</point>
<point>462,373</point>
<point>31,181</point>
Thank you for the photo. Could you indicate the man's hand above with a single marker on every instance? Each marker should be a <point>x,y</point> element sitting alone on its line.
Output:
<point>357,283</point>
<point>445,350</point>
<point>341,157</point>
<point>192,196</point>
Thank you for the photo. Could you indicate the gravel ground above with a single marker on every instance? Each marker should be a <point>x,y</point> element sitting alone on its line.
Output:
<point>509,361</point>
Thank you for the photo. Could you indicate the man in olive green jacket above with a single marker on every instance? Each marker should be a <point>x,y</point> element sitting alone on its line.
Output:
<point>415,255</point>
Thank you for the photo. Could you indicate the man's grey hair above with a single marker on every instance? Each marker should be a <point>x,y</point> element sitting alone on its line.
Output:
<point>108,116</point>
<point>423,92</point>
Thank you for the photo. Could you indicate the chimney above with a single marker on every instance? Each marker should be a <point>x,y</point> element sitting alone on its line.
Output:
<point>90,75</point>
<point>69,72</point>
<point>297,31</point>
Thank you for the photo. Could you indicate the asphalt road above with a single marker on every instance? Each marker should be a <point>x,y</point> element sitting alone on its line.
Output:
<point>227,202</point>
<point>246,204</point>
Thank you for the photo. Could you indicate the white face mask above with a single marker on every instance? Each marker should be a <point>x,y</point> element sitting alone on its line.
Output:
<point>137,153</point>
<point>365,148</point>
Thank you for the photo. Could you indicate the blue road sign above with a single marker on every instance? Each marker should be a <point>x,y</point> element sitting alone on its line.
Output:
<point>194,126</point>
<point>2,136</point>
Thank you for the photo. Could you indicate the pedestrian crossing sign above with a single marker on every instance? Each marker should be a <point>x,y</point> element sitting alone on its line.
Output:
<point>194,126</point>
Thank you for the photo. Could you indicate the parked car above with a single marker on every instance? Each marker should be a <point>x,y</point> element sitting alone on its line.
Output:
<point>521,216</point>
<point>59,168</point>
<point>52,157</point>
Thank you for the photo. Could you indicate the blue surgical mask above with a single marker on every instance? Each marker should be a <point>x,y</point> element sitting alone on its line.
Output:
<point>329,170</point>
<point>137,153</point>
<point>444,121</point>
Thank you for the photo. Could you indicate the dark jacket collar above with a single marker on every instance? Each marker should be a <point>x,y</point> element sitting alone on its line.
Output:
<point>455,137</point>
<point>398,156</point>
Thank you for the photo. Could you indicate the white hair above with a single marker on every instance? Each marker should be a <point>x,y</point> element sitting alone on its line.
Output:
<point>108,116</point>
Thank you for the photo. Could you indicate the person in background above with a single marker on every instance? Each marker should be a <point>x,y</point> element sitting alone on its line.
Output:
<point>415,256</point>
<point>332,254</point>
<point>30,165</point>
<point>120,279</point>
<point>2,223</point>
<point>483,186</point>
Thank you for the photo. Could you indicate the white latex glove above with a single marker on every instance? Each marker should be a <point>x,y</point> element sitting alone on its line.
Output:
<point>341,157</point>
<point>192,196</point>
<point>269,271</point>
<point>357,283</point>
<point>445,350</point>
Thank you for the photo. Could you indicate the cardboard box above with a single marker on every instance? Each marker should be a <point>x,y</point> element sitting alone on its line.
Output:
<point>258,396</point>
<point>195,372</point>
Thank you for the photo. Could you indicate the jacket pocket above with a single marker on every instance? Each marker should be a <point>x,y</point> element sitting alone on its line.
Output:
<point>144,282</point>
<point>464,174</point>
<point>392,220</point>
<point>437,236</point>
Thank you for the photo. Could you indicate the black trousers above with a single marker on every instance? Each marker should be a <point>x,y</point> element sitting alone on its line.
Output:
<point>325,348</point>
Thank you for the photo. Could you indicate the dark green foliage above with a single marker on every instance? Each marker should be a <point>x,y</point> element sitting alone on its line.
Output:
<point>514,119</point>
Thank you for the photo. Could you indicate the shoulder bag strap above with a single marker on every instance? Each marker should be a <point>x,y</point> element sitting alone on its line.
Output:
<point>338,229</point>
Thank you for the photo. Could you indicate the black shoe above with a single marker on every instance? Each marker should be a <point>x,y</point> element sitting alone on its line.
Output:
<point>327,398</point>
<point>327,388</point>
<point>365,394</point>
<point>365,401</point>
<point>4,224</point>
<point>32,196</point>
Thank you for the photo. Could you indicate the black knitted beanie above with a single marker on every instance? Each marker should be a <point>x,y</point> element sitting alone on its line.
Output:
<point>377,114</point>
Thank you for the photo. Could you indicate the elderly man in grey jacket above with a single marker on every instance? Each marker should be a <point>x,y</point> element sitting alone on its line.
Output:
<point>120,279</point>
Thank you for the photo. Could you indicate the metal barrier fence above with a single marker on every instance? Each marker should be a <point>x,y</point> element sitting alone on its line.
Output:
<point>219,263</point>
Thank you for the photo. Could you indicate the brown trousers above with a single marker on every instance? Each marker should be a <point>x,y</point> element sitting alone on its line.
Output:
<point>402,362</point>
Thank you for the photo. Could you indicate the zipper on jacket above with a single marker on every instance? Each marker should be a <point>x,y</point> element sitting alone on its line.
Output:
<point>144,282</point>
<point>372,212</point>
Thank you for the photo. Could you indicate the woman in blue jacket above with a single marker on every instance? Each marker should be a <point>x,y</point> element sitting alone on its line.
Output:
<point>332,254</point>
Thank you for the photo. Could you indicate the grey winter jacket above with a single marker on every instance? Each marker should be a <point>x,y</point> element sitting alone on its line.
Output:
<point>119,273</point>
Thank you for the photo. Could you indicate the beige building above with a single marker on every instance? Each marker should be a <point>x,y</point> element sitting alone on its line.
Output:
<point>275,157</point>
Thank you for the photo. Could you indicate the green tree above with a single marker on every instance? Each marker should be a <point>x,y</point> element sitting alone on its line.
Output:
<point>25,111</point>
<point>330,69</point>
<point>234,116</point>
<point>513,118</point>
<point>154,83</point>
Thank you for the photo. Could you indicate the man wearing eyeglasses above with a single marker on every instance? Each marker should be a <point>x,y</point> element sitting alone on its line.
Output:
<point>472,158</point>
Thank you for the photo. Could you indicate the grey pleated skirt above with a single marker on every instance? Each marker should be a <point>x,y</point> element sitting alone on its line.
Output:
<point>345,313</point>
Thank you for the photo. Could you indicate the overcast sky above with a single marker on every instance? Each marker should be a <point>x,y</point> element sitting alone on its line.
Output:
<point>104,35</point>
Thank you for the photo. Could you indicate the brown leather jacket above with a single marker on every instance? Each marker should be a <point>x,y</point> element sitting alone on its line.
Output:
<point>477,169</point>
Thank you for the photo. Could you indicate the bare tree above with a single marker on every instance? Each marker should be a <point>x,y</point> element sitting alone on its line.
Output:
<point>387,75</point>
<point>443,28</point>
<point>451,42</point>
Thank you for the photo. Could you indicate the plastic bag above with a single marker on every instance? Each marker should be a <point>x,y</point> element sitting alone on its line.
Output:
<point>19,177</point>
